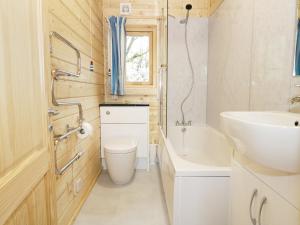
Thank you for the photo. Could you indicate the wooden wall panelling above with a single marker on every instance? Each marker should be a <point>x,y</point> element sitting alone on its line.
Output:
<point>80,21</point>
<point>201,8</point>
<point>214,4</point>
<point>298,8</point>
<point>141,8</point>
<point>177,7</point>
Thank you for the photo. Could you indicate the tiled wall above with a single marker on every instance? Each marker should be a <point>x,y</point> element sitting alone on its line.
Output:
<point>179,72</point>
<point>251,46</point>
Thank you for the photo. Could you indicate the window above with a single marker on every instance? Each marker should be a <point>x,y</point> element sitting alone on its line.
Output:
<point>140,43</point>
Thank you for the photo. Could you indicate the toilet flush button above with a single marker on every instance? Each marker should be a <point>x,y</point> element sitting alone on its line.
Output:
<point>107,112</point>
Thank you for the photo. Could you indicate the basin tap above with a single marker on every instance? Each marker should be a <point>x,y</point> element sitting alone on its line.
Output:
<point>295,99</point>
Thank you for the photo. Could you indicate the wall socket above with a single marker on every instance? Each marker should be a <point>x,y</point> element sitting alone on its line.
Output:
<point>78,185</point>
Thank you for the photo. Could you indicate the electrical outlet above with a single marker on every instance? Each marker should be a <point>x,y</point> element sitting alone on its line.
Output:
<point>78,185</point>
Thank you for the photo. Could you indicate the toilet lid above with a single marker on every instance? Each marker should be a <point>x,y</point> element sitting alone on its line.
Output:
<point>120,145</point>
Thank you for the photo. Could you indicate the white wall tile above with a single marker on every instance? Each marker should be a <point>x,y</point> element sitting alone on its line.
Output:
<point>251,46</point>
<point>229,61</point>
<point>272,54</point>
<point>179,73</point>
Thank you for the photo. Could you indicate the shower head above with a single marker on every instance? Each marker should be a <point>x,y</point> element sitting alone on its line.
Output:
<point>188,7</point>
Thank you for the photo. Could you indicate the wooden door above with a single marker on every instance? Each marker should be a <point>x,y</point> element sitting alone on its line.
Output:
<point>24,156</point>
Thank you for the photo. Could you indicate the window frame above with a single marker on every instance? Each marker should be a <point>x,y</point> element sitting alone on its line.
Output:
<point>151,32</point>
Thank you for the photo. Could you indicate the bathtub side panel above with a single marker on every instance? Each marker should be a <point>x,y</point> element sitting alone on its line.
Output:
<point>168,179</point>
<point>199,199</point>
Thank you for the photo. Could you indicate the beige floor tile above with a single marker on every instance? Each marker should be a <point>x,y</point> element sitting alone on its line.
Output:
<point>139,203</point>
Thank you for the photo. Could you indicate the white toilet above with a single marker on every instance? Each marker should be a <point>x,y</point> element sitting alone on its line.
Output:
<point>124,140</point>
<point>120,158</point>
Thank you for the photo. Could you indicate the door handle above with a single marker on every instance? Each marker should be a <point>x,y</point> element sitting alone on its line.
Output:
<point>263,202</point>
<point>254,194</point>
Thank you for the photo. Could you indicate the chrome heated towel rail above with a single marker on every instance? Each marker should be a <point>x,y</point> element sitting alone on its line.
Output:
<point>57,74</point>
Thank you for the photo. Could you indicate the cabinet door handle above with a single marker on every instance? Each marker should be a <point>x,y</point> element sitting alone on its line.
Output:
<point>254,194</point>
<point>263,202</point>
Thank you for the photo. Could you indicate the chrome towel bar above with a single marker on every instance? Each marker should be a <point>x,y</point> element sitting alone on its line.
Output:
<point>60,171</point>
<point>68,43</point>
<point>59,138</point>
<point>60,73</point>
<point>60,103</point>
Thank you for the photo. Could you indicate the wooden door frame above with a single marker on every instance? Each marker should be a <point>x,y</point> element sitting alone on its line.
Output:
<point>50,176</point>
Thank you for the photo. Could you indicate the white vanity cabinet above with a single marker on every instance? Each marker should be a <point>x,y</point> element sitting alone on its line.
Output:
<point>248,194</point>
<point>126,120</point>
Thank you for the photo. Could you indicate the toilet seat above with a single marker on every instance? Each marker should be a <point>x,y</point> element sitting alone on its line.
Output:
<point>120,146</point>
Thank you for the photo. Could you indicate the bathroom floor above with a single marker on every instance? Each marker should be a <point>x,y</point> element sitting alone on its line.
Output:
<point>140,202</point>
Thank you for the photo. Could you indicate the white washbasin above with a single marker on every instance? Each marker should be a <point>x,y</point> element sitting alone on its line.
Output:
<point>269,138</point>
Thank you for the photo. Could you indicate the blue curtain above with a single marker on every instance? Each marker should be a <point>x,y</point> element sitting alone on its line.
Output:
<point>118,52</point>
<point>297,54</point>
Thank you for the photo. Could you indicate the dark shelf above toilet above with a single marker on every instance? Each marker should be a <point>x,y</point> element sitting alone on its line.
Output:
<point>124,104</point>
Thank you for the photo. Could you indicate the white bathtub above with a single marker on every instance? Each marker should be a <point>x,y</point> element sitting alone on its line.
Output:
<point>195,170</point>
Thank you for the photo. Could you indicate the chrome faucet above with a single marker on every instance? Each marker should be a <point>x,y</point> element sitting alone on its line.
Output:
<point>183,123</point>
<point>295,99</point>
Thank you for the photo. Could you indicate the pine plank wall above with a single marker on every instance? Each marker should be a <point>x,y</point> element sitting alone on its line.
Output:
<point>79,21</point>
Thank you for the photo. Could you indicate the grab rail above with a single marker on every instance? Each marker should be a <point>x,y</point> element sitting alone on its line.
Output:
<point>56,74</point>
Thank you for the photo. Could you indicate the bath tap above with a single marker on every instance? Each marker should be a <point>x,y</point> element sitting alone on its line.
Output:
<point>183,123</point>
<point>295,99</point>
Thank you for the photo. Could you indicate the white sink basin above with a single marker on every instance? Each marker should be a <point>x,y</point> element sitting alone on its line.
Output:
<point>269,138</point>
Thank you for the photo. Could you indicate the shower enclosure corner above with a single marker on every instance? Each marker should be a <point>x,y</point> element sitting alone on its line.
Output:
<point>163,71</point>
